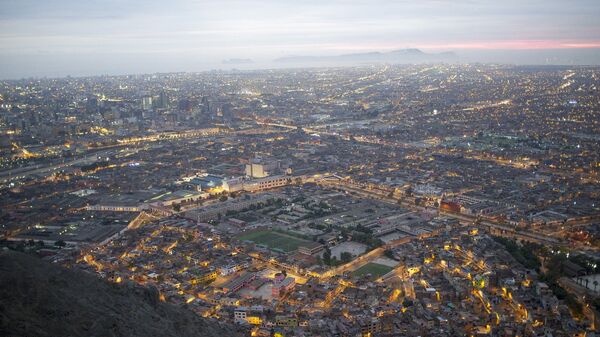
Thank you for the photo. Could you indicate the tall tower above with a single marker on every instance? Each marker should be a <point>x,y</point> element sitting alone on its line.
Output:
<point>163,100</point>
<point>205,106</point>
<point>147,103</point>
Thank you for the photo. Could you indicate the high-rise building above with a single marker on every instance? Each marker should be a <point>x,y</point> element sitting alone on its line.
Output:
<point>162,102</point>
<point>205,105</point>
<point>147,103</point>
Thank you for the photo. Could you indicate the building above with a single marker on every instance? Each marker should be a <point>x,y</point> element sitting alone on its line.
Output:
<point>256,170</point>
<point>207,182</point>
<point>369,327</point>
<point>482,208</point>
<point>288,321</point>
<point>282,287</point>
<point>178,197</point>
<point>204,276</point>
<point>427,190</point>
<point>162,102</point>
<point>122,202</point>
<point>238,283</point>
<point>233,268</point>
<point>255,185</point>
<point>254,320</point>
<point>310,248</point>
<point>240,315</point>
<point>147,103</point>
<point>113,208</point>
<point>233,184</point>
<point>450,206</point>
<point>260,168</point>
<point>266,183</point>
<point>250,315</point>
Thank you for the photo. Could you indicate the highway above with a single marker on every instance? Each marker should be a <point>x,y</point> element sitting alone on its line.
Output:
<point>24,172</point>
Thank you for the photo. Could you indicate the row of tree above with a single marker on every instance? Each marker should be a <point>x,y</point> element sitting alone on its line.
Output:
<point>330,260</point>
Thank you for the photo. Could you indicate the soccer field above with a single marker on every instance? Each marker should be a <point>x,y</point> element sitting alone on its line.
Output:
<point>375,269</point>
<point>273,240</point>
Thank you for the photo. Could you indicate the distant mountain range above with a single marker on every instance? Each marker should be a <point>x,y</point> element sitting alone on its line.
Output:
<point>400,56</point>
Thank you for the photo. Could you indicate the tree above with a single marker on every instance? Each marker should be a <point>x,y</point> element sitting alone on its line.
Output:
<point>176,207</point>
<point>334,261</point>
<point>327,256</point>
<point>223,198</point>
<point>346,257</point>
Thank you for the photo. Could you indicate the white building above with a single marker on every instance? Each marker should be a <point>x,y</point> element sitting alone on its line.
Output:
<point>256,170</point>
<point>260,168</point>
<point>147,102</point>
<point>233,184</point>
<point>262,184</point>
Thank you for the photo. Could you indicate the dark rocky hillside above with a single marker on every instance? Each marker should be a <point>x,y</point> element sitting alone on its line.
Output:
<point>41,299</point>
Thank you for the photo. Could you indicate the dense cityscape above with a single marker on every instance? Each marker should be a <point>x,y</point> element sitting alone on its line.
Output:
<point>376,200</point>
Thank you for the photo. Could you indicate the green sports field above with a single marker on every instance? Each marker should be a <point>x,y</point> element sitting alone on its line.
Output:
<point>375,269</point>
<point>273,240</point>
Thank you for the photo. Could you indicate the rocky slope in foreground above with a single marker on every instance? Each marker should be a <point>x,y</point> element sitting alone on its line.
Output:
<point>41,299</point>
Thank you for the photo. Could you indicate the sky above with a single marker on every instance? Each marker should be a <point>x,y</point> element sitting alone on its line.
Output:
<point>94,37</point>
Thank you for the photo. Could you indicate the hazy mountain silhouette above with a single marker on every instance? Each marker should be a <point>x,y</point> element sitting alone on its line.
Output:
<point>410,55</point>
